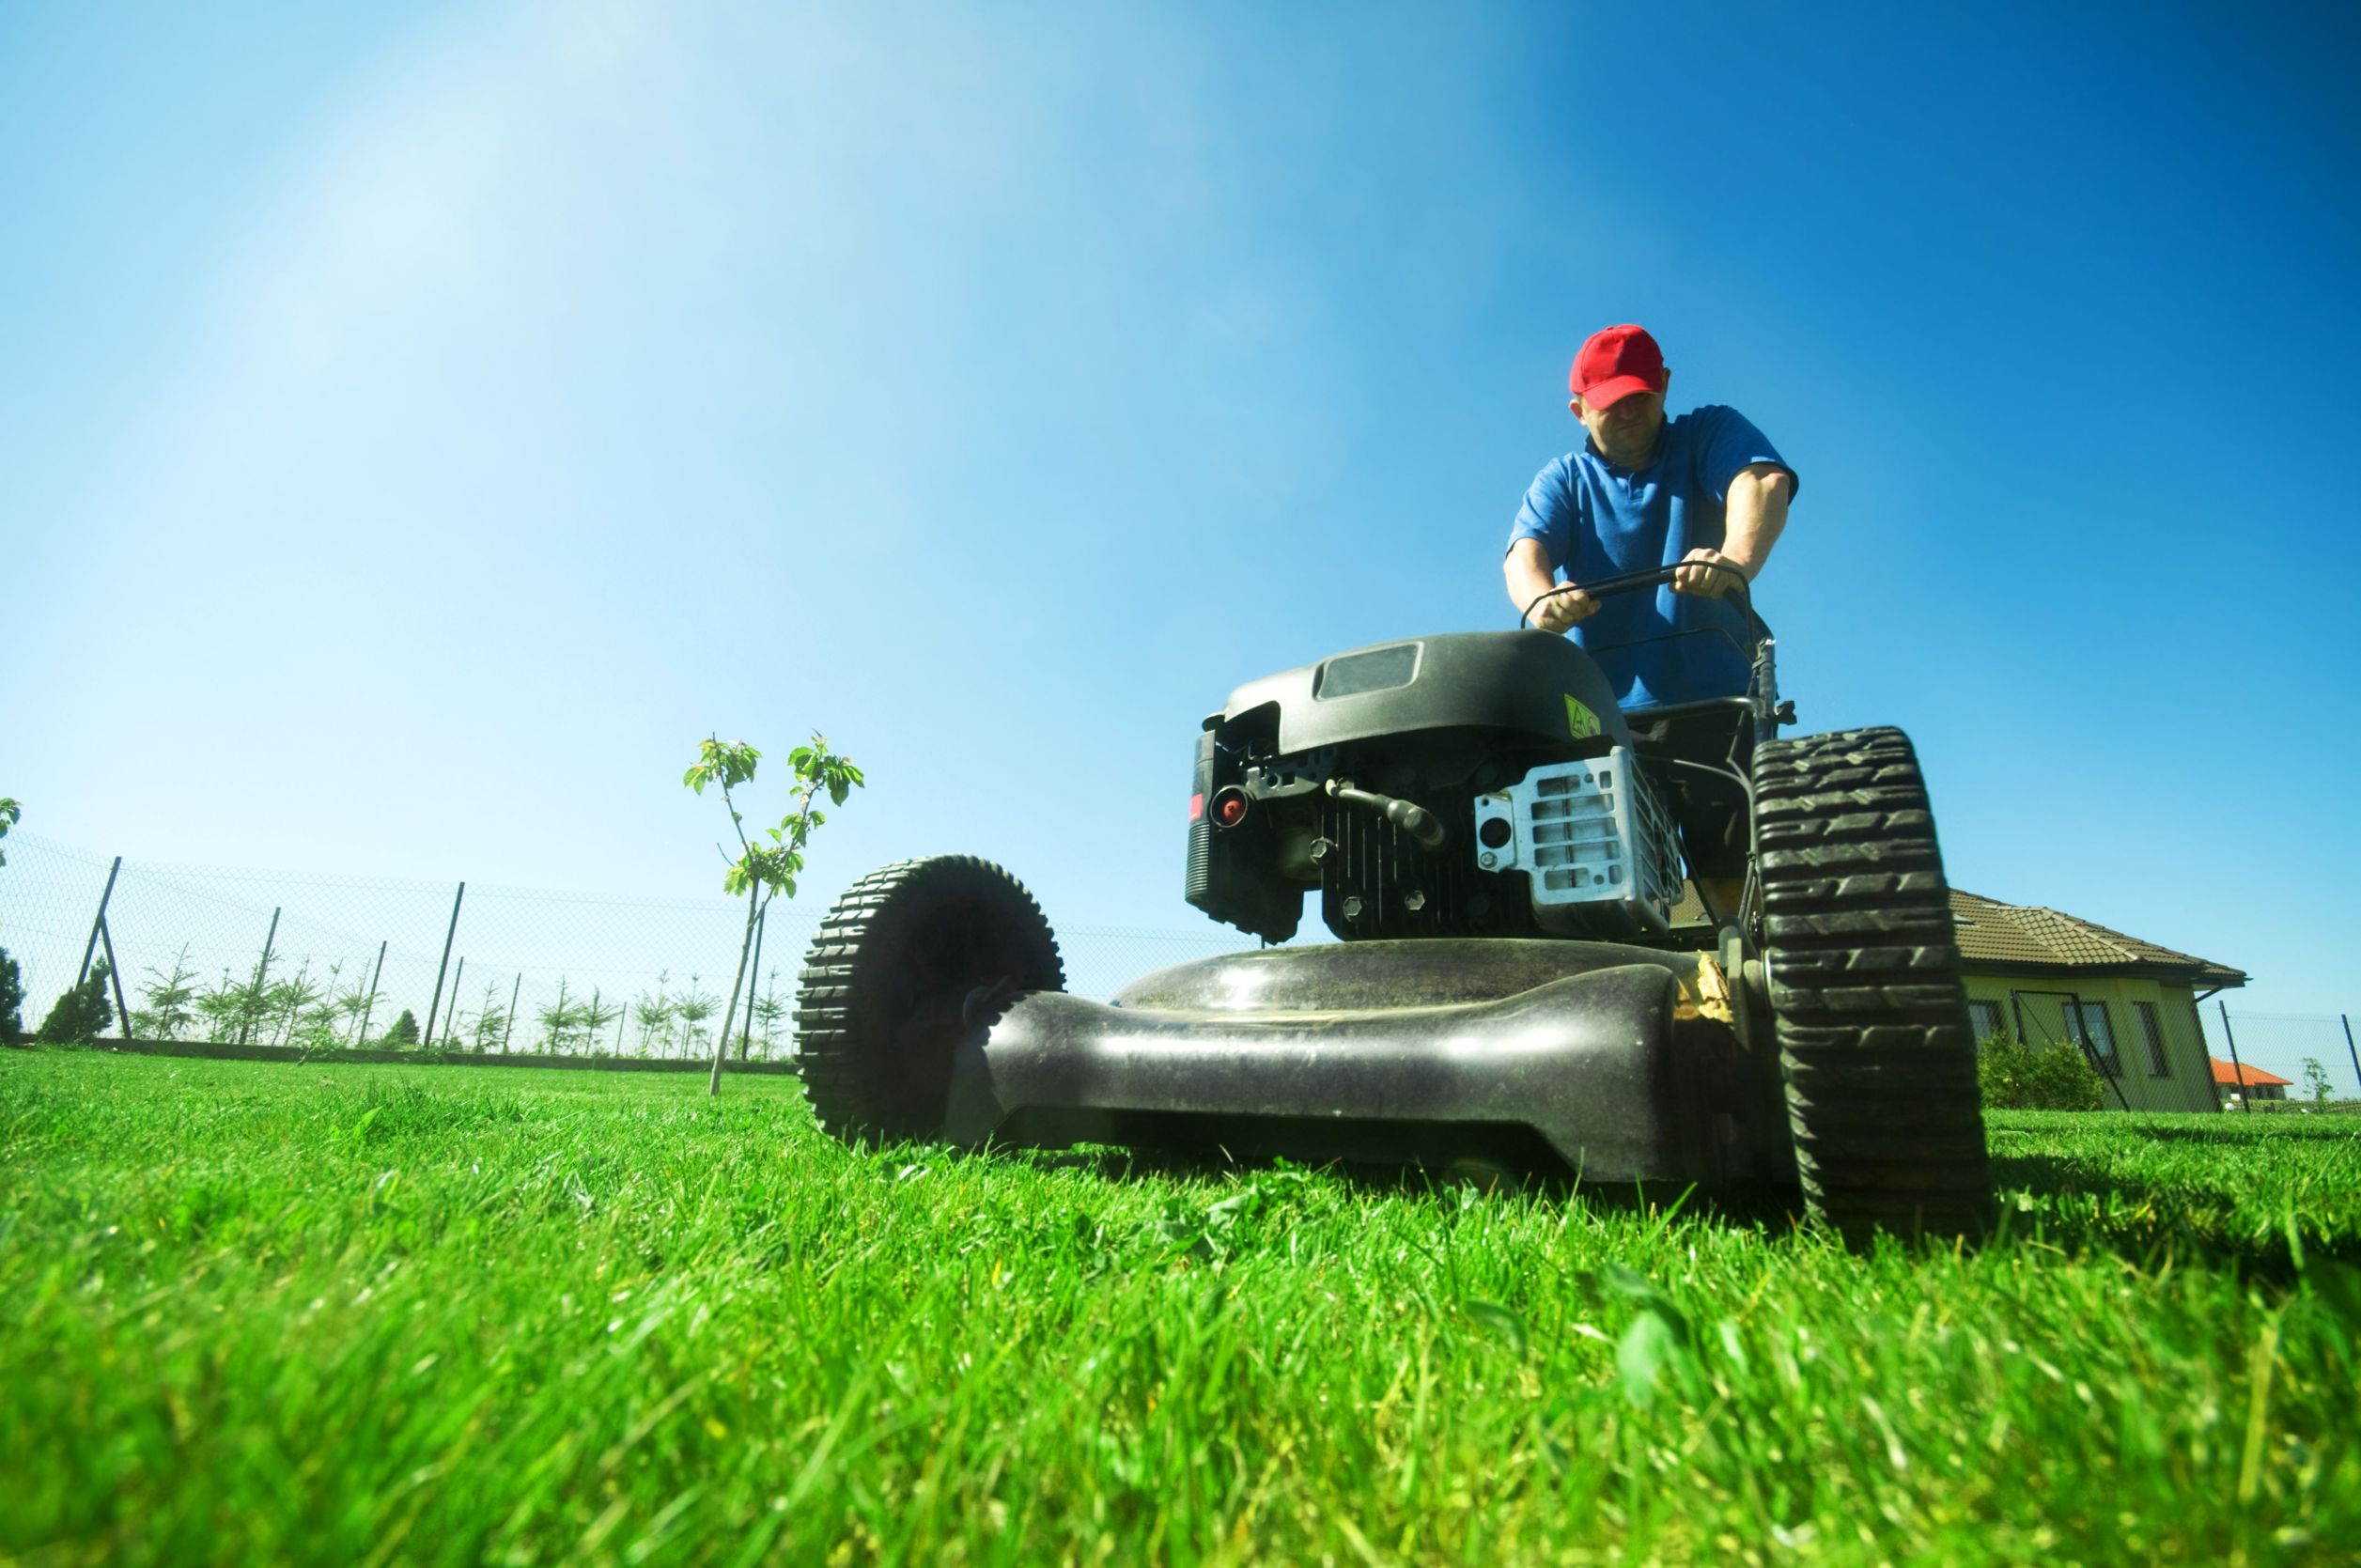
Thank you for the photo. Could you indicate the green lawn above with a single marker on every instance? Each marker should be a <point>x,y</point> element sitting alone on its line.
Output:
<point>359,1315</point>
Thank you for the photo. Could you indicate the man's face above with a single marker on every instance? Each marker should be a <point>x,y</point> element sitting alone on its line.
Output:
<point>1626,430</point>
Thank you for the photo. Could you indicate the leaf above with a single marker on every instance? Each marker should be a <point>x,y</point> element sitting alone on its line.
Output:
<point>1501,1321</point>
<point>1649,1346</point>
<point>1629,1283</point>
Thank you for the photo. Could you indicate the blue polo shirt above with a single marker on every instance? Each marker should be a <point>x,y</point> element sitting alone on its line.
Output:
<point>1597,519</point>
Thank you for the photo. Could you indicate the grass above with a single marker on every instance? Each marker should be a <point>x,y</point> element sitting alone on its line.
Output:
<point>366,1314</point>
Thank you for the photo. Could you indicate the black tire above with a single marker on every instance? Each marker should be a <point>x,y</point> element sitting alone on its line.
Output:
<point>1876,1049</point>
<point>886,985</point>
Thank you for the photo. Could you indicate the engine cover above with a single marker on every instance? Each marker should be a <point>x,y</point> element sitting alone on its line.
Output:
<point>1595,841</point>
<point>1367,775</point>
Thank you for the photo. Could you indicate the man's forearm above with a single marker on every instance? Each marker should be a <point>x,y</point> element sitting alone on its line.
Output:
<point>1757,515</point>
<point>1530,572</point>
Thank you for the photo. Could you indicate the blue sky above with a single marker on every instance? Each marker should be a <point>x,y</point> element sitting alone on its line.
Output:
<point>419,425</point>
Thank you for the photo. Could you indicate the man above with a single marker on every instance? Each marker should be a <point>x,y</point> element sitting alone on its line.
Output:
<point>1705,492</point>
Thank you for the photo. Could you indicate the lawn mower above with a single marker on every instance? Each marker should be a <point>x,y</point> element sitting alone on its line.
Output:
<point>1518,982</point>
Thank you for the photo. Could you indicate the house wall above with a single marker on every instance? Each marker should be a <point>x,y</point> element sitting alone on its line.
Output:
<point>2034,1008</point>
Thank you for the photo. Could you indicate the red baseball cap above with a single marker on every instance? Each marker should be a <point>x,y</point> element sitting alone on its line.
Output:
<point>1615,363</point>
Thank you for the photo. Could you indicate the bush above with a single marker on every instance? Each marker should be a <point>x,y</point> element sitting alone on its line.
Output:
<point>11,1001</point>
<point>2016,1077</point>
<point>404,1034</point>
<point>83,1012</point>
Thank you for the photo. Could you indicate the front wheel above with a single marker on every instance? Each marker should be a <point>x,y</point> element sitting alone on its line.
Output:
<point>1875,1049</point>
<point>896,972</point>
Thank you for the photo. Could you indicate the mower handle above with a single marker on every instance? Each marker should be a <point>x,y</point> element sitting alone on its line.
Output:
<point>1763,694</point>
<point>1650,578</point>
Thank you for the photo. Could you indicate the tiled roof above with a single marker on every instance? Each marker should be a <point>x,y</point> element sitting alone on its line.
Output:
<point>2020,934</point>
<point>2227,1074</point>
<point>1997,932</point>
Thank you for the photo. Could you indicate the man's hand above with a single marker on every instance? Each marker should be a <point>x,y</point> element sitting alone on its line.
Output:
<point>1531,575</point>
<point>1562,608</point>
<point>1709,574</point>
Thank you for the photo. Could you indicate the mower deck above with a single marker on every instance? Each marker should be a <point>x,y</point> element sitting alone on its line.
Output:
<point>1615,1064</point>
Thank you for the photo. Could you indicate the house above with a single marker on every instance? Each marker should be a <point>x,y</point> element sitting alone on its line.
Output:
<point>2259,1084</point>
<point>2039,976</point>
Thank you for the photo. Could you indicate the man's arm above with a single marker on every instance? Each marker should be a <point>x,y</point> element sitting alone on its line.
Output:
<point>1756,516</point>
<point>1530,574</point>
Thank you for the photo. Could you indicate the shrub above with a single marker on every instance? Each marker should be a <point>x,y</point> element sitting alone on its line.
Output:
<point>11,1001</point>
<point>2017,1077</point>
<point>83,1012</point>
<point>403,1034</point>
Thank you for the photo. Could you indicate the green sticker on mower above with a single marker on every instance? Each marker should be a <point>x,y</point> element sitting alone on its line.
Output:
<point>1580,719</point>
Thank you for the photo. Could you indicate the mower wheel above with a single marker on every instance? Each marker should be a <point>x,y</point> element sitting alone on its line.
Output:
<point>901,967</point>
<point>1875,1048</point>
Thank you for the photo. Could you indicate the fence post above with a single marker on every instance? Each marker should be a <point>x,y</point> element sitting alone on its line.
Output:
<point>510,1028</point>
<point>362,1036</point>
<point>428,1033</point>
<point>261,969</point>
<point>2245,1090</point>
<point>451,1024</point>
<point>115,973</point>
<point>97,922</point>
<point>2349,1050</point>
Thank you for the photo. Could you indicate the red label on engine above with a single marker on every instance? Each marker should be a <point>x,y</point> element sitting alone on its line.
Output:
<point>1197,807</point>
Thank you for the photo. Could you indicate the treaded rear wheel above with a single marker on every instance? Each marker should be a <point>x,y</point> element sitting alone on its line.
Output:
<point>1876,1049</point>
<point>883,996</point>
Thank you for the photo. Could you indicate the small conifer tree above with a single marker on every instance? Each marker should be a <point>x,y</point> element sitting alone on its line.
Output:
<point>11,1001</point>
<point>84,1012</point>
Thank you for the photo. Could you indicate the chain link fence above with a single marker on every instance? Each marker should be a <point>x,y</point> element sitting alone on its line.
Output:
<point>276,958</point>
<point>273,958</point>
<point>2288,1045</point>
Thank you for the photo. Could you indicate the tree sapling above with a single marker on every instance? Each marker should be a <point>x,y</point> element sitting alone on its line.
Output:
<point>764,870</point>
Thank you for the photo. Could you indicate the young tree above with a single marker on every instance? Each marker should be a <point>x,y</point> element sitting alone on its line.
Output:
<point>247,1004</point>
<point>2316,1083</point>
<point>560,1022</point>
<point>10,815</point>
<point>316,1013</point>
<point>348,1006</point>
<point>595,1015</point>
<point>491,1019</point>
<point>220,1008</point>
<point>84,1012</point>
<point>769,1010</point>
<point>403,1034</point>
<point>171,1001</point>
<point>286,1002</point>
<point>764,870</point>
<point>690,1009</point>
<point>653,1014</point>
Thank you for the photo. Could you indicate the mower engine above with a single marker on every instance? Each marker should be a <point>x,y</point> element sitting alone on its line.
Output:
<point>1476,784</point>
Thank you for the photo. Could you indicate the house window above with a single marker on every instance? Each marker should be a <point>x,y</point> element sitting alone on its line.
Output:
<point>2151,1034</point>
<point>1983,1018</point>
<point>2089,1022</point>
